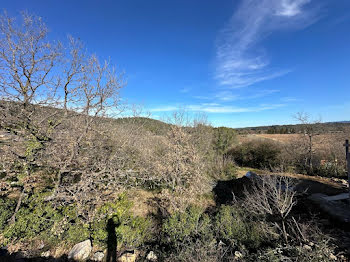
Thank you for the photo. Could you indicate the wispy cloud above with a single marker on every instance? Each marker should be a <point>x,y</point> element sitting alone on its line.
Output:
<point>228,95</point>
<point>290,99</point>
<point>217,108</point>
<point>241,60</point>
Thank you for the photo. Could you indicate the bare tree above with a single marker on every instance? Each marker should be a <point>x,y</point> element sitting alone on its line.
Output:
<point>274,196</point>
<point>27,62</point>
<point>51,100</point>
<point>95,97</point>
<point>309,129</point>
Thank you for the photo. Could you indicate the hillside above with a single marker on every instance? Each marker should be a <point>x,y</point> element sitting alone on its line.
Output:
<point>321,128</point>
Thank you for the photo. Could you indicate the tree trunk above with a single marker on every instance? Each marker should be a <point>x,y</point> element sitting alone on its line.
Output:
<point>12,220</point>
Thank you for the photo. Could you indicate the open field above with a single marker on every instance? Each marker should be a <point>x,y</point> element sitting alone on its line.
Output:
<point>319,141</point>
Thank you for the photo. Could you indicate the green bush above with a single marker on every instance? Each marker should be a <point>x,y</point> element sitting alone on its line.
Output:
<point>7,207</point>
<point>329,170</point>
<point>234,230</point>
<point>187,226</point>
<point>229,171</point>
<point>37,219</point>
<point>33,219</point>
<point>131,231</point>
<point>256,154</point>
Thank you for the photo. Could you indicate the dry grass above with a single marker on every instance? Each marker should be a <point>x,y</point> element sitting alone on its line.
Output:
<point>319,141</point>
<point>141,202</point>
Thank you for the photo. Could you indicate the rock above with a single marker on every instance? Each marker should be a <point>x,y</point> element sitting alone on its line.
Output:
<point>333,257</point>
<point>80,251</point>
<point>238,255</point>
<point>129,256</point>
<point>307,247</point>
<point>151,256</point>
<point>98,256</point>
<point>251,175</point>
<point>45,254</point>
<point>41,246</point>
<point>221,243</point>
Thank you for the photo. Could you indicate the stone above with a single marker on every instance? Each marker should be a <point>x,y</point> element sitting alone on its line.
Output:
<point>98,256</point>
<point>151,256</point>
<point>80,251</point>
<point>333,257</point>
<point>45,254</point>
<point>41,246</point>
<point>238,255</point>
<point>307,247</point>
<point>221,243</point>
<point>251,175</point>
<point>129,256</point>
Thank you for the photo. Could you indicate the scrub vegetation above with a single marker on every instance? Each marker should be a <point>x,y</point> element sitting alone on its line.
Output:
<point>72,170</point>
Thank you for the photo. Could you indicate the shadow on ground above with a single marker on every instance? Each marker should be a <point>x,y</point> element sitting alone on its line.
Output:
<point>226,190</point>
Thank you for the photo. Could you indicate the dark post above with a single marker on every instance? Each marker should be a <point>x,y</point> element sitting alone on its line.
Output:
<point>347,161</point>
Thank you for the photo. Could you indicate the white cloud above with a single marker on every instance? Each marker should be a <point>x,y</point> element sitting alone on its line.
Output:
<point>241,61</point>
<point>229,95</point>
<point>289,99</point>
<point>217,108</point>
<point>291,7</point>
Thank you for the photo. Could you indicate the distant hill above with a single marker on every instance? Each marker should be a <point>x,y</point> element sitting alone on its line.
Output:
<point>155,126</point>
<point>328,127</point>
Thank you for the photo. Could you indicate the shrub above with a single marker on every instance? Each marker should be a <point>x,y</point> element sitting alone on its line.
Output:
<point>131,231</point>
<point>7,207</point>
<point>203,251</point>
<point>233,229</point>
<point>329,169</point>
<point>187,226</point>
<point>321,252</point>
<point>33,218</point>
<point>229,171</point>
<point>38,219</point>
<point>256,154</point>
<point>188,236</point>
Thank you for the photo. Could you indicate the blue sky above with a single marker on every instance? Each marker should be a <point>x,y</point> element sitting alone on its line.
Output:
<point>243,63</point>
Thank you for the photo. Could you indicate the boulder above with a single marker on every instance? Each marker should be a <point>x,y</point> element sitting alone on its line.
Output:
<point>98,256</point>
<point>238,255</point>
<point>46,253</point>
<point>332,257</point>
<point>80,251</point>
<point>129,256</point>
<point>151,256</point>
<point>307,247</point>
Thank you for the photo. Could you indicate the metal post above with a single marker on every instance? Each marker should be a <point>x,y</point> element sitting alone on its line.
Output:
<point>347,154</point>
